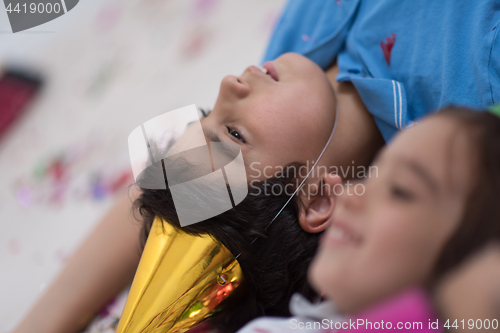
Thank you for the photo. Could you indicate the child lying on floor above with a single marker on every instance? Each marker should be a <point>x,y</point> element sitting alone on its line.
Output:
<point>281,118</point>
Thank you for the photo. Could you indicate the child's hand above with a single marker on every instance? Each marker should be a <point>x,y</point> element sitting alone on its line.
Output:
<point>472,291</point>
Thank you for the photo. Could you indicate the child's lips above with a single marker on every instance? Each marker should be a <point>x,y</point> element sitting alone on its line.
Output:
<point>340,234</point>
<point>261,71</point>
<point>271,70</point>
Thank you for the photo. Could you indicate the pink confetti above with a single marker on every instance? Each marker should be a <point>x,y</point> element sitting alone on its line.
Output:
<point>107,308</point>
<point>204,7</point>
<point>24,196</point>
<point>109,16</point>
<point>57,169</point>
<point>58,192</point>
<point>123,180</point>
<point>195,43</point>
<point>305,37</point>
<point>261,330</point>
<point>14,246</point>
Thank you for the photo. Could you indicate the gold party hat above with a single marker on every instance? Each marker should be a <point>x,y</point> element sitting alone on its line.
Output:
<point>180,281</point>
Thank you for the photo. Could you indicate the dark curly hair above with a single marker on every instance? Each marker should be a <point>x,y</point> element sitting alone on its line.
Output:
<point>274,266</point>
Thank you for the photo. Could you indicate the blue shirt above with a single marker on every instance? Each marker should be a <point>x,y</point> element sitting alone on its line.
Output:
<point>405,58</point>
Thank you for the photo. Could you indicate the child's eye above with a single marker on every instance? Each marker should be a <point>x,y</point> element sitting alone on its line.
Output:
<point>236,134</point>
<point>401,193</point>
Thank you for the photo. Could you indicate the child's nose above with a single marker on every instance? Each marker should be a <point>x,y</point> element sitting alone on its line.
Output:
<point>234,87</point>
<point>353,195</point>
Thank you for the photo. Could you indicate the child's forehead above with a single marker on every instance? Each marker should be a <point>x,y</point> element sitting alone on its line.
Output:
<point>440,145</point>
<point>429,135</point>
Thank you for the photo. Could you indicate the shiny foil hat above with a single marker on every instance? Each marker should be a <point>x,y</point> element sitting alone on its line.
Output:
<point>180,280</point>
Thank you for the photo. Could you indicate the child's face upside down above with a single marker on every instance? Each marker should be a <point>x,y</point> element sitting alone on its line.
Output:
<point>277,118</point>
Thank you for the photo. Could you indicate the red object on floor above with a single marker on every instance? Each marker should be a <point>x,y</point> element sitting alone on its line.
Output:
<point>17,89</point>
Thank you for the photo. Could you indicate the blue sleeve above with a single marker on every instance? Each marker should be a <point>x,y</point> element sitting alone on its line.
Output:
<point>315,29</point>
<point>494,66</point>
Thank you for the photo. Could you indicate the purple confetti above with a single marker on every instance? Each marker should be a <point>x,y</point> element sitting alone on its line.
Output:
<point>24,196</point>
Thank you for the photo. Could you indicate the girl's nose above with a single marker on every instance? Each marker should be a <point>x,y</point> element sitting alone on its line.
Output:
<point>353,196</point>
<point>233,86</point>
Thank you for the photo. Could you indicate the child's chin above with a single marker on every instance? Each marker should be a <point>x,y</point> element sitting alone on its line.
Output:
<point>322,275</point>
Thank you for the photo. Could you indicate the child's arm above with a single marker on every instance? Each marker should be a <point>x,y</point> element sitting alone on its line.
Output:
<point>98,271</point>
<point>472,291</point>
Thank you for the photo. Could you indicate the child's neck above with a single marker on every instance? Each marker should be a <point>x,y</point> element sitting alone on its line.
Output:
<point>357,137</point>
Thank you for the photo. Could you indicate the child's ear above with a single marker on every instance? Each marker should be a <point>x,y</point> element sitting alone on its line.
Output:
<point>319,202</point>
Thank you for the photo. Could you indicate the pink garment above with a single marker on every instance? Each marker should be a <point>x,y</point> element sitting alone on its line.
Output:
<point>411,310</point>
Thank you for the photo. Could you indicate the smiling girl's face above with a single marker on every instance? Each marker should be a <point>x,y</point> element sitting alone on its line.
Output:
<point>390,237</point>
<point>277,118</point>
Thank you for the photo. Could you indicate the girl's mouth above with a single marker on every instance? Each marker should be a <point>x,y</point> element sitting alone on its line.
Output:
<point>339,234</point>
<point>263,71</point>
<point>271,70</point>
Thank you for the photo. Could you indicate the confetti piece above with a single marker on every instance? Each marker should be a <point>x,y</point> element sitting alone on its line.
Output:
<point>57,169</point>
<point>195,43</point>
<point>24,196</point>
<point>204,7</point>
<point>14,246</point>
<point>107,308</point>
<point>59,192</point>
<point>261,330</point>
<point>102,79</point>
<point>123,180</point>
<point>108,17</point>
<point>66,175</point>
<point>40,170</point>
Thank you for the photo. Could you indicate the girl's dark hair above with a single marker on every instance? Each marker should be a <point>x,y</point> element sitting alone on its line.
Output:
<point>480,222</point>
<point>274,266</point>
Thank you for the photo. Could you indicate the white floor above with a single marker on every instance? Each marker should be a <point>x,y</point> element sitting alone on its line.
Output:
<point>108,66</point>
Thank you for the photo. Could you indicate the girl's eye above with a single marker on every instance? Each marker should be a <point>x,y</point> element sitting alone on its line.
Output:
<point>236,134</point>
<point>401,193</point>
